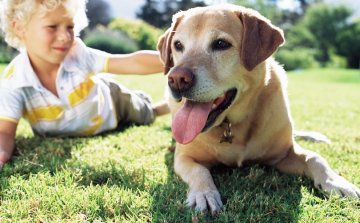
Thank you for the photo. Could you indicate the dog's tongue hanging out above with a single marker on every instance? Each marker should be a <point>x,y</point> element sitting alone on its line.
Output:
<point>190,120</point>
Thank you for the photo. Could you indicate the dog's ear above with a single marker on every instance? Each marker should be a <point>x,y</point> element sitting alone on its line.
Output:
<point>164,48</point>
<point>164,43</point>
<point>260,39</point>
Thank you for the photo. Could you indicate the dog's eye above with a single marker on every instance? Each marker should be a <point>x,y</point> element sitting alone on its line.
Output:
<point>178,45</point>
<point>221,45</point>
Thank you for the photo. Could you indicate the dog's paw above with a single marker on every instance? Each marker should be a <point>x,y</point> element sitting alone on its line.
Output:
<point>340,186</point>
<point>205,200</point>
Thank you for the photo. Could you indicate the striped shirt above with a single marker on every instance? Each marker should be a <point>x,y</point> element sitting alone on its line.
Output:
<point>84,106</point>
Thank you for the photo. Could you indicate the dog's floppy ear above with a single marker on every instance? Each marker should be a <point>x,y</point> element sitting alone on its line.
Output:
<point>164,43</point>
<point>260,39</point>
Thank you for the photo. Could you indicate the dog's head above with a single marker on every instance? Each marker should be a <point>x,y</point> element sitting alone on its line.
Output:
<point>212,56</point>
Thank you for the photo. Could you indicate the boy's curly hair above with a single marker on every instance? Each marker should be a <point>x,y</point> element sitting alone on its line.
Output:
<point>22,10</point>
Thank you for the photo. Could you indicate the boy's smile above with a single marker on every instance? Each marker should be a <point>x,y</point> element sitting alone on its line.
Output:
<point>48,38</point>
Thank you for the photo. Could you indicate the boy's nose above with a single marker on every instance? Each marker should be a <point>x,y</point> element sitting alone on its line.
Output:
<point>64,35</point>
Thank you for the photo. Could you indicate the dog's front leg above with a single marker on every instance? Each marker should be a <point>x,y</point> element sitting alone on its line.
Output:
<point>313,165</point>
<point>203,194</point>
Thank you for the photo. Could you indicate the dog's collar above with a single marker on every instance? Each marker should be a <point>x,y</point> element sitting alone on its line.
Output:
<point>227,135</point>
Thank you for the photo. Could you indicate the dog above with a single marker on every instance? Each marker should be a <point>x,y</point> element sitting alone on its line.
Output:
<point>229,104</point>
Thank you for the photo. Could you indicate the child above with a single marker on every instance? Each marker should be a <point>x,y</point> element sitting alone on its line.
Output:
<point>53,82</point>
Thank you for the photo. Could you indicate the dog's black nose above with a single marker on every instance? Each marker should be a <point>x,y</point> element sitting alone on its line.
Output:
<point>180,79</point>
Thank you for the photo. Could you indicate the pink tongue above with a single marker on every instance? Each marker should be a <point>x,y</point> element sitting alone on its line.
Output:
<point>190,120</point>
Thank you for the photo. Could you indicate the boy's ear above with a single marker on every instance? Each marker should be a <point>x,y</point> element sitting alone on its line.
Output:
<point>18,28</point>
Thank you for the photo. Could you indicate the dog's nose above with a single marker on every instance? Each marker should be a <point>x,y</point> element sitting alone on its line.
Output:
<point>180,79</point>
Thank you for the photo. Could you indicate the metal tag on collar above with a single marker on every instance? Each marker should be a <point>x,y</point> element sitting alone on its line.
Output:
<point>227,135</point>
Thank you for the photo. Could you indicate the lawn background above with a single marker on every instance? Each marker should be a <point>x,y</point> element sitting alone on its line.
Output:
<point>127,175</point>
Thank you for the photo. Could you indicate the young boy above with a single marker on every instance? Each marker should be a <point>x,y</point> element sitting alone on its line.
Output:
<point>53,82</point>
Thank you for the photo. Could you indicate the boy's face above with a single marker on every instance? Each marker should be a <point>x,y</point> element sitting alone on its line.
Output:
<point>48,38</point>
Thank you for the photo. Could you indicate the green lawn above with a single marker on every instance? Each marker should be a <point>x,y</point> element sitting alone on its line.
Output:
<point>128,176</point>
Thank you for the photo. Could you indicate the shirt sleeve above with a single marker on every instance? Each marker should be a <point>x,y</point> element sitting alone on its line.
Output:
<point>96,60</point>
<point>11,106</point>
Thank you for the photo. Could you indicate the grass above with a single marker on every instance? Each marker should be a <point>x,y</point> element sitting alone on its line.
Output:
<point>127,175</point>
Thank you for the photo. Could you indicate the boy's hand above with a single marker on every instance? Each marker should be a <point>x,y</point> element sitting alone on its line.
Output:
<point>7,140</point>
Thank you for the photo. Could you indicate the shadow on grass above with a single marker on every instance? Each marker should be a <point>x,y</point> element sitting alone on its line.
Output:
<point>34,154</point>
<point>249,194</point>
<point>51,154</point>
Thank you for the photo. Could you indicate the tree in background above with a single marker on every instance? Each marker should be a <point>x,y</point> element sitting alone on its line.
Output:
<point>266,8</point>
<point>272,10</point>
<point>325,23</point>
<point>348,44</point>
<point>316,33</point>
<point>159,13</point>
<point>304,4</point>
<point>152,15</point>
<point>6,53</point>
<point>98,36</point>
<point>98,12</point>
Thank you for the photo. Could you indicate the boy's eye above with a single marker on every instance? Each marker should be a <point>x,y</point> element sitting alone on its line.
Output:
<point>52,27</point>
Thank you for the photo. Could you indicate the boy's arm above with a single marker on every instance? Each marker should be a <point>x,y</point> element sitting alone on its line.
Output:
<point>140,62</point>
<point>7,140</point>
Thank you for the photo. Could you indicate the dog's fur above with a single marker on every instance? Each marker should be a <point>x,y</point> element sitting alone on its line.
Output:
<point>208,51</point>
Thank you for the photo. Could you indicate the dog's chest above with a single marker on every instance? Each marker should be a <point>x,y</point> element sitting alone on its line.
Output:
<point>231,154</point>
<point>225,146</point>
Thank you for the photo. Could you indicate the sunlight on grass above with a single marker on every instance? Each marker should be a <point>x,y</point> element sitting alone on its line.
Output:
<point>127,175</point>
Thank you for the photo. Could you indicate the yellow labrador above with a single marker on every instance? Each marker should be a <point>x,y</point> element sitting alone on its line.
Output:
<point>229,101</point>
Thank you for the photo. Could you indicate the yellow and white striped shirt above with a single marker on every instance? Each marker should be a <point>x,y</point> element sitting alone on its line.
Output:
<point>84,106</point>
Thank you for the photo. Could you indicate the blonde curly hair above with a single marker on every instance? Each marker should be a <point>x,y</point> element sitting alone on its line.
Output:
<point>22,10</point>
